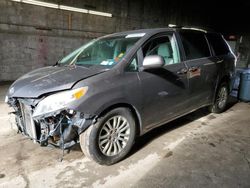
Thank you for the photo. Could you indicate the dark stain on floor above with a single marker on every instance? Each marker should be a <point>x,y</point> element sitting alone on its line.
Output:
<point>169,154</point>
<point>211,117</point>
<point>212,144</point>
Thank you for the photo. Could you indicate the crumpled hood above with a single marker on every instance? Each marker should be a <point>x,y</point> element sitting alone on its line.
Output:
<point>49,79</point>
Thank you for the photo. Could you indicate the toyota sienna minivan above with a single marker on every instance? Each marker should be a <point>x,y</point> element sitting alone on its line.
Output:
<point>120,86</point>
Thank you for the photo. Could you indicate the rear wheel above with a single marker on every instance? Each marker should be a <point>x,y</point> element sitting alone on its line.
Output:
<point>111,138</point>
<point>221,99</point>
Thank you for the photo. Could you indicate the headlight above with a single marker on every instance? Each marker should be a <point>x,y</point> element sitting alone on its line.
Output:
<point>58,101</point>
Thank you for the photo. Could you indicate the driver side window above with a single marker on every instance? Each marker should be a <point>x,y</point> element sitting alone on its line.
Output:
<point>164,46</point>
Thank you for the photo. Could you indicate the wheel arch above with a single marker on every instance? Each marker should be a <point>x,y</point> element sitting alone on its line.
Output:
<point>134,111</point>
<point>225,78</point>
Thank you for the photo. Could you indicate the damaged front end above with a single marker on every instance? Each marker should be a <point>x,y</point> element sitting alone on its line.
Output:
<point>59,126</point>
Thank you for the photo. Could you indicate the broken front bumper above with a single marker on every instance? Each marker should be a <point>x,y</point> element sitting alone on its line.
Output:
<point>61,128</point>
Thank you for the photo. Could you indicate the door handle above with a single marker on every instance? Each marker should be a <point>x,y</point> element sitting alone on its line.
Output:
<point>182,71</point>
<point>193,69</point>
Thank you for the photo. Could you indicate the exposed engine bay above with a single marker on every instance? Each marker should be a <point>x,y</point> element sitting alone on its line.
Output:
<point>61,128</point>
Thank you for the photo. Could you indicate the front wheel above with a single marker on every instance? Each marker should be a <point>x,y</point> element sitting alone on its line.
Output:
<point>221,99</point>
<point>111,138</point>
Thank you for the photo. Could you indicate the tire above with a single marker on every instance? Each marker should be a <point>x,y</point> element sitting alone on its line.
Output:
<point>94,141</point>
<point>221,99</point>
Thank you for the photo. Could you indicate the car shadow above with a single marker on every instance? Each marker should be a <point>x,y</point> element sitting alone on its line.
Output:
<point>146,139</point>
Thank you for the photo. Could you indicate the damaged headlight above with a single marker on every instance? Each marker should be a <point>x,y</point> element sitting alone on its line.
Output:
<point>58,101</point>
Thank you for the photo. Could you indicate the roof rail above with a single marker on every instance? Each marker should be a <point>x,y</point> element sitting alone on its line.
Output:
<point>205,30</point>
<point>195,29</point>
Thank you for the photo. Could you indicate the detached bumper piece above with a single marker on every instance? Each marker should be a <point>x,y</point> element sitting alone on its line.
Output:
<point>61,129</point>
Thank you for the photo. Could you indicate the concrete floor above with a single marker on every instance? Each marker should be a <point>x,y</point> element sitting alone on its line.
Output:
<point>198,150</point>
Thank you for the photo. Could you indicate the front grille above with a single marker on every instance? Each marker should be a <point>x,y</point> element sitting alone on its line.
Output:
<point>28,122</point>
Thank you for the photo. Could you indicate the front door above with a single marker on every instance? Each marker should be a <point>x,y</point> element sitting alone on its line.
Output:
<point>164,90</point>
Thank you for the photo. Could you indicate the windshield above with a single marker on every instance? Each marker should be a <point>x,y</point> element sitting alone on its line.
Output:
<point>104,52</point>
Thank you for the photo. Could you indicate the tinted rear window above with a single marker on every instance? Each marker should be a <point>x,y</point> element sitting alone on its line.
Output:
<point>218,44</point>
<point>195,44</point>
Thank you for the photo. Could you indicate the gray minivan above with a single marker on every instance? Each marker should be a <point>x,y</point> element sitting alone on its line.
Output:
<point>120,86</point>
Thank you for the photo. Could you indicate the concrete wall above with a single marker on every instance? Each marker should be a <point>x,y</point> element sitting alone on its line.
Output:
<point>33,36</point>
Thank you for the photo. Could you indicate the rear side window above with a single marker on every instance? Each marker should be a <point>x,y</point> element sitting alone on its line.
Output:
<point>195,44</point>
<point>218,44</point>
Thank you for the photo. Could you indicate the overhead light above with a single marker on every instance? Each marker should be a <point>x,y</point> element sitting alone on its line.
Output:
<point>100,13</point>
<point>172,25</point>
<point>63,7</point>
<point>135,35</point>
<point>40,3</point>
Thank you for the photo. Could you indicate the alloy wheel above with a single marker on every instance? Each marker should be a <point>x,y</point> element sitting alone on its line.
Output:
<point>222,97</point>
<point>114,135</point>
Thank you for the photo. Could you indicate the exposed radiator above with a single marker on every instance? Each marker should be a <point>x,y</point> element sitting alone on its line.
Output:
<point>28,122</point>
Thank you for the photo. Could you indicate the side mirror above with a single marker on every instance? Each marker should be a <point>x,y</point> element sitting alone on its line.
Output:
<point>153,62</point>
